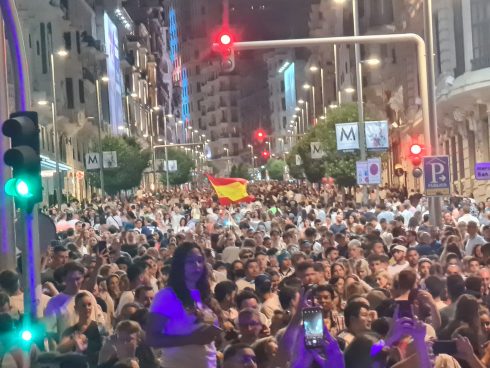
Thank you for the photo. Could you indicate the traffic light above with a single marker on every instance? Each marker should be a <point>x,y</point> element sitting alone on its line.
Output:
<point>26,184</point>
<point>224,46</point>
<point>260,135</point>
<point>266,154</point>
<point>399,170</point>
<point>416,152</point>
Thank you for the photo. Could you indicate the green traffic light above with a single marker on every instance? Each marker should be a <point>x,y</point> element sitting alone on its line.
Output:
<point>18,188</point>
<point>26,335</point>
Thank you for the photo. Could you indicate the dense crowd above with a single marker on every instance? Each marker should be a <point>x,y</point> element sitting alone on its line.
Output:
<point>174,280</point>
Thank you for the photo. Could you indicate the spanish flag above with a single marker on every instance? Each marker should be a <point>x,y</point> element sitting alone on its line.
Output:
<point>230,190</point>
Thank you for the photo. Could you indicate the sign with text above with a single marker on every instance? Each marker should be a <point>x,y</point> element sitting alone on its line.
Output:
<point>374,170</point>
<point>437,180</point>
<point>316,150</point>
<point>92,160</point>
<point>362,173</point>
<point>377,138</point>
<point>161,166</point>
<point>347,136</point>
<point>482,171</point>
<point>299,161</point>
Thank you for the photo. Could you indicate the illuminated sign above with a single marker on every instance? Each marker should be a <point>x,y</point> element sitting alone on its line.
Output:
<point>290,89</point>
<point>115,83</point>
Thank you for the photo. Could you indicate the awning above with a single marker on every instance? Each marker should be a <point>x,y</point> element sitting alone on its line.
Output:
<point>48,164</point>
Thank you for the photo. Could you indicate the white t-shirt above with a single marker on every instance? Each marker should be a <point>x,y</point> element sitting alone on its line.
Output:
<point>126,298</point>
<point>396,268</point>
<point>179,322</point>
<point>17,304</point>
<point>60,312</point>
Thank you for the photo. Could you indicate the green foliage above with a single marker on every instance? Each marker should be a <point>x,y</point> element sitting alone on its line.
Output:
<point>131,160</point>
<point>295,171</point>
<point>240,171</point>
<point>185,165</point>
<point>340,166</point>
<point>276,169</point>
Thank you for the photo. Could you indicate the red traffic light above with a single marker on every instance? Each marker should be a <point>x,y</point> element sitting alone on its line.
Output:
<point>260,135</point>
<point>225,39</point>
<point>266,154</point>
<point>415,149</point>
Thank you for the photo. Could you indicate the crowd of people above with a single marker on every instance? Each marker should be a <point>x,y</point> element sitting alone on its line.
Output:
<point>172,279</point>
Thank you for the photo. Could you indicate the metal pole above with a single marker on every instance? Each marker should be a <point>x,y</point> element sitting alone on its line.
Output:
<point>371,39</point>
<point>324,110</point>
<point>166,150</point>
<point>99,126</point>
<point>336,66</point>
<point>360,102</point>
<point>313,104</point>
<point>7,238</point>
<point>307,115</point>
<point>54,110</point>
<point>434,202</point>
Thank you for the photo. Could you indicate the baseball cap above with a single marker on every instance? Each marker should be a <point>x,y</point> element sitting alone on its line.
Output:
<point>399,247</point>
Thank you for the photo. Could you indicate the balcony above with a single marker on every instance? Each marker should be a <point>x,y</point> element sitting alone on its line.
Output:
<point>480,63</point>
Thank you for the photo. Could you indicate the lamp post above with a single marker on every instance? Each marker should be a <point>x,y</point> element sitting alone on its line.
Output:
<point>307,87</point>
<point>227,160</point>
<point>314,69</point>
<point>253,160</point>
<point>99,133</point>
<point>59,185</point>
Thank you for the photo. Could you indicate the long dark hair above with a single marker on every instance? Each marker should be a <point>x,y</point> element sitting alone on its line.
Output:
<point>176,278</point>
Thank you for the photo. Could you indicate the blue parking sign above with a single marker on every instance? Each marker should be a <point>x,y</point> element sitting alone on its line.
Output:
<point>437,178</point>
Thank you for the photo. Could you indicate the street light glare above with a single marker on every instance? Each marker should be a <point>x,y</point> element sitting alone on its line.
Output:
<point>349,90</point>
<point>301,102</point>
<point>62,53</point>
<point>306,86</point>
<point>42,102</point>
<point>313,68</point>
<point>373,62</point>
<point>297,108</point>
<point>156,108</point>
<point>104,79</point>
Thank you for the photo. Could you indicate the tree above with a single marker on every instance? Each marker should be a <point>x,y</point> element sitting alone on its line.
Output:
<point>131,162</point>
<point>185,165</point>
<point>338,165</point>
<point>276,169</point>
<point>240,171</point>
<point>296,171</point>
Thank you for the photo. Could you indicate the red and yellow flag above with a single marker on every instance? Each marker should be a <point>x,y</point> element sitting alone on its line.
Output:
<point>230,190</point>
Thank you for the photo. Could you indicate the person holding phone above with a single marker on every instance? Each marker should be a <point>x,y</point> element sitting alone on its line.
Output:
<point>181,321</point>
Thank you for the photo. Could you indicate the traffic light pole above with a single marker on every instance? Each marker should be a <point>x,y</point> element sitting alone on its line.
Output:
<point>7,247</point>
<point>423,76</point>
<point>99,130</point>
<point>434,202</point>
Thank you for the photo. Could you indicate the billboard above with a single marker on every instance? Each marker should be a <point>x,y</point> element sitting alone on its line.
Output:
<point>115,84</point>
<point>290,89</point>
<point>347,136</point>
<point>376,135</point>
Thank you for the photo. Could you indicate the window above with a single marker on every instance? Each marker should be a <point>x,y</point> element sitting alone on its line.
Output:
<point>282,86</point>
<point>67,38</point>
<point>81,91</point>
<point>480,23</point>
<point>454,160</point>
<point>284,122</point>
<point>283,104</point>
<point>70,103</point>
<point>44,53</point>
<point>437,43</point>
<point>461,156</point>
<point>78,41</point>
<point>393,56</point>
<point>459,38</point>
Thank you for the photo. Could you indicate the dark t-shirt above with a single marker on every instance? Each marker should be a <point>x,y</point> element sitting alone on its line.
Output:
<point>336,229</point>
<point>94,338</point>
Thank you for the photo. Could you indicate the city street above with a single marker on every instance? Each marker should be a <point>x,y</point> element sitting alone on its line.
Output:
<point>245,183</point>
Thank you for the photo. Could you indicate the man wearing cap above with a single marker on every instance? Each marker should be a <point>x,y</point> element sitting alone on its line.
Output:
<point>285,268</point>
<point>424,267</point>
<point>398,253</point>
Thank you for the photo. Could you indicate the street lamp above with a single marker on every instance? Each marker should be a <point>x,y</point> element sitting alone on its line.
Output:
<point>99,130</point>
<point>314,69</point>
<point>59,185</point>
<point>307,87</point>
<point>253,161</point>
<point>227,159</point>
<point>372,62</point>
<point>349,90</point>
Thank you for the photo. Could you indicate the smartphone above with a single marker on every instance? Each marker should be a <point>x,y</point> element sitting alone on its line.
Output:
<point>313,327</point>
<point>444,347</point>
<point>101,246</point>
<point>404,308</point>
